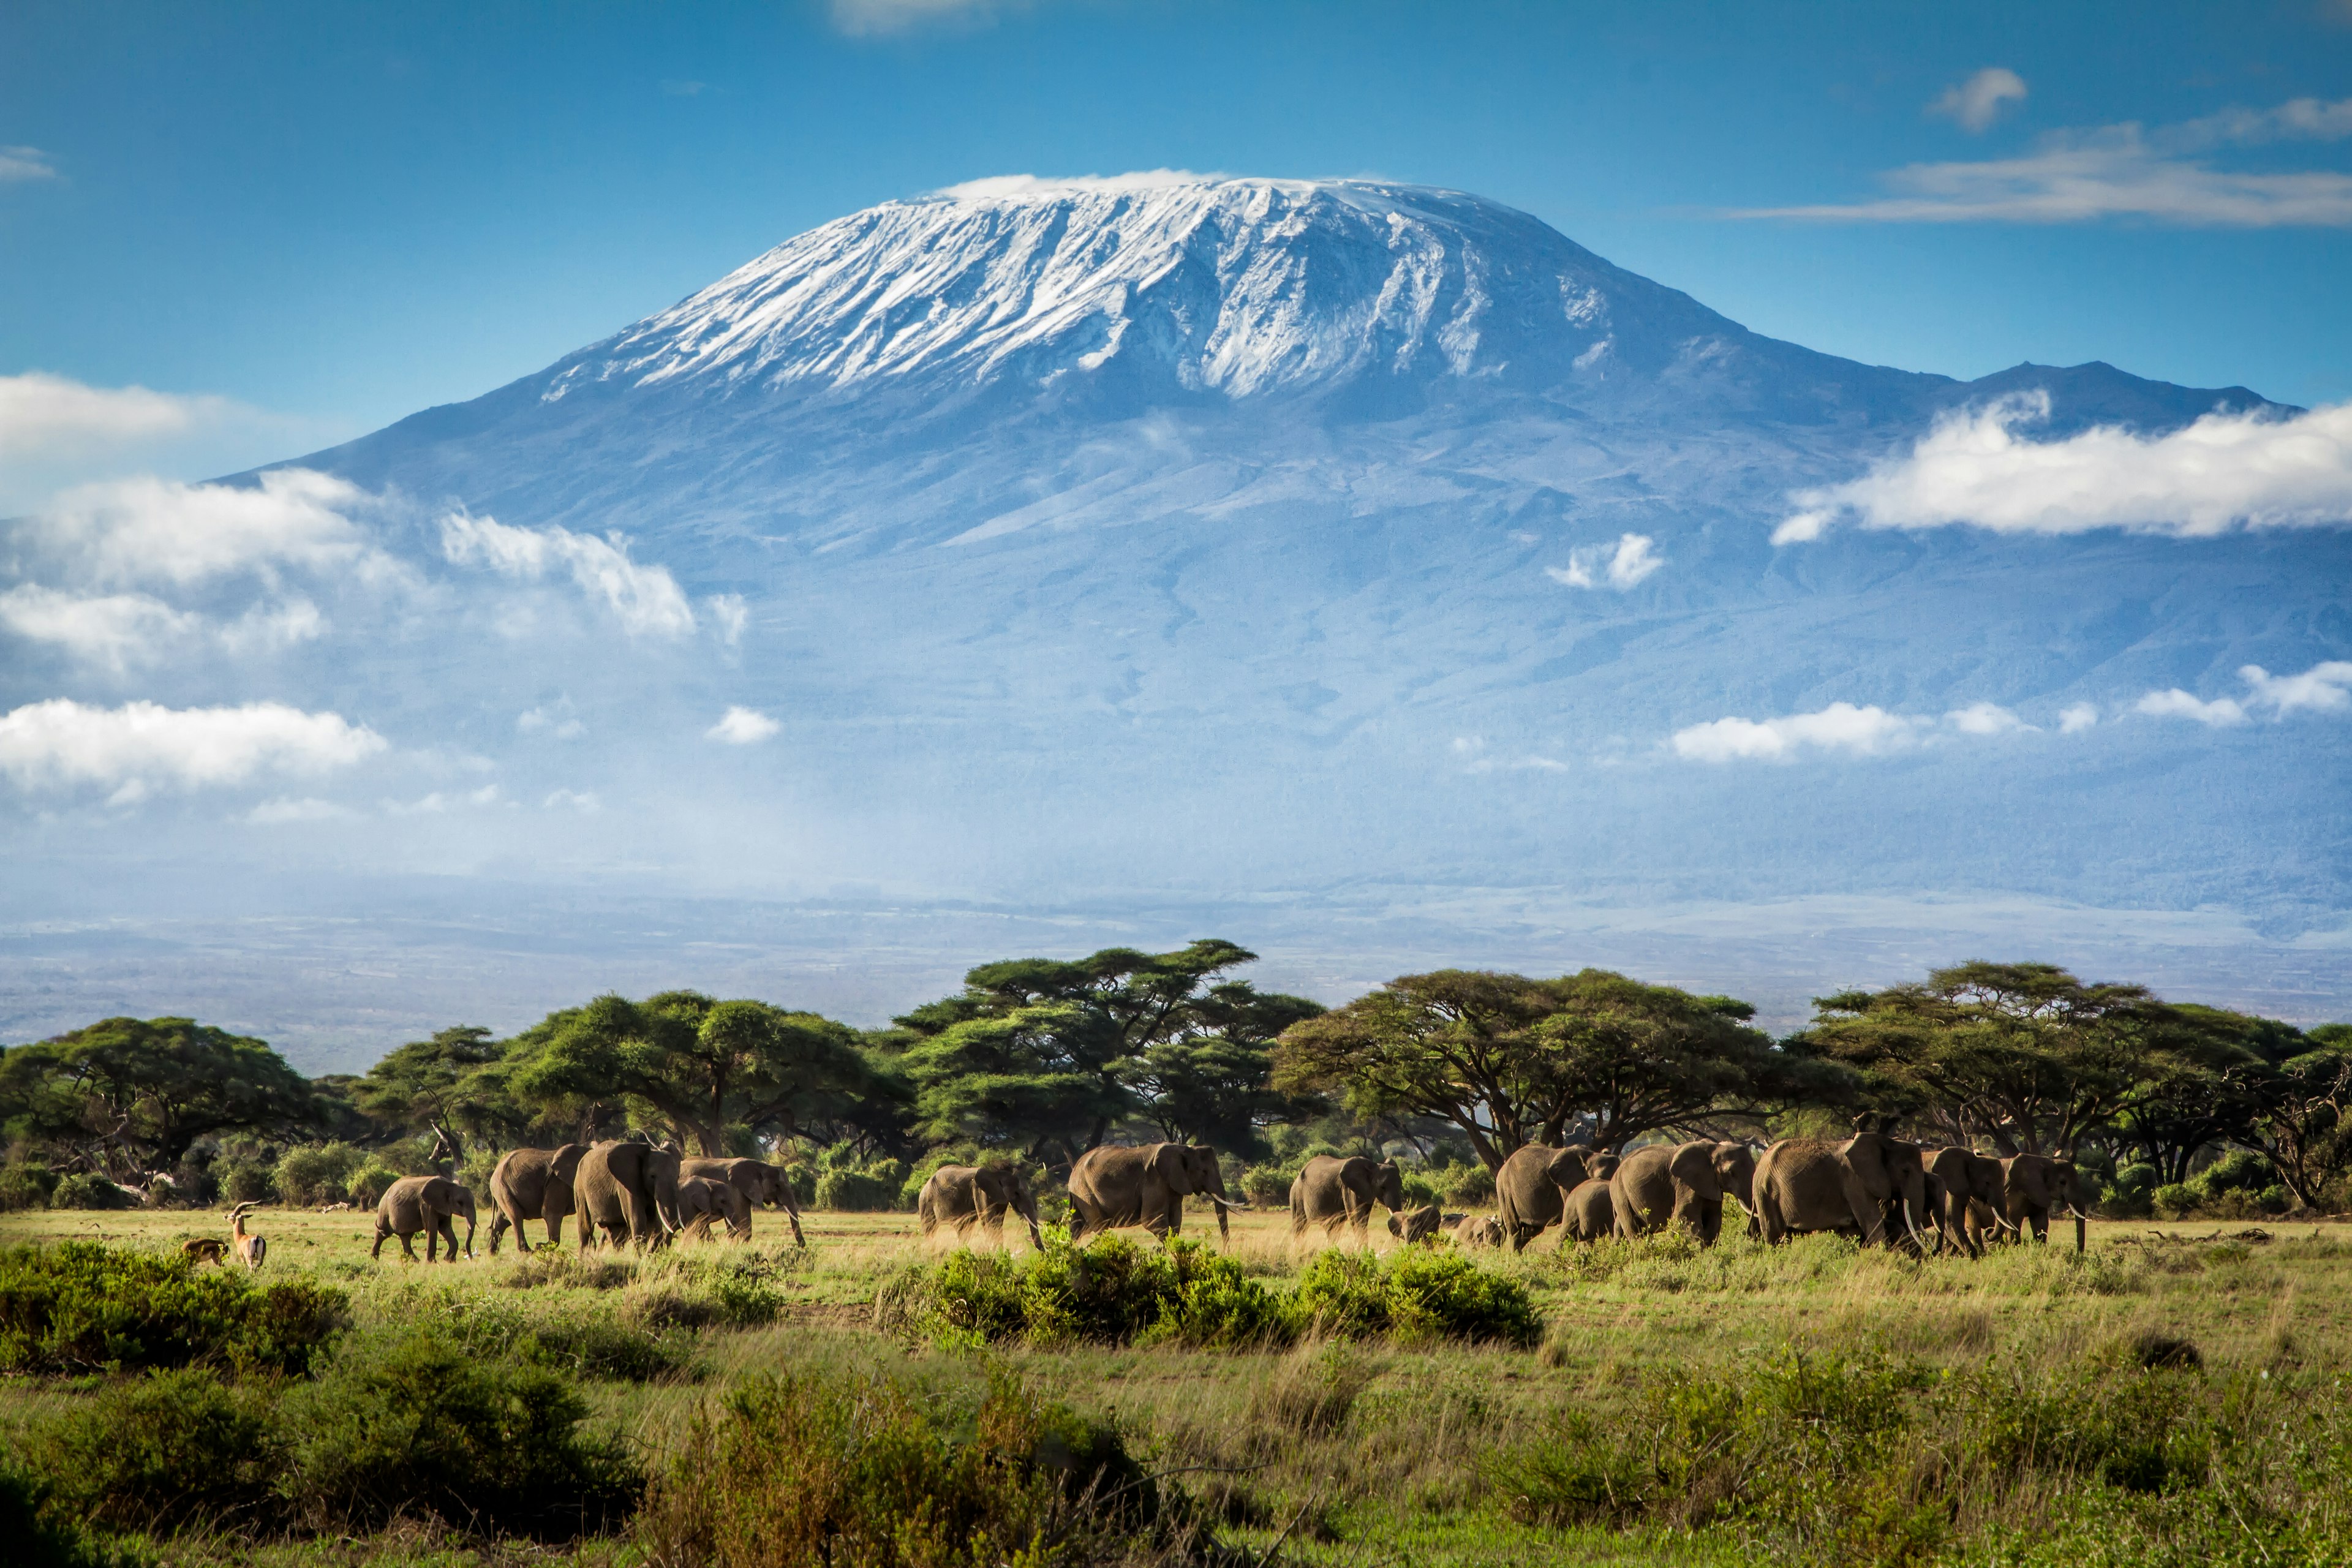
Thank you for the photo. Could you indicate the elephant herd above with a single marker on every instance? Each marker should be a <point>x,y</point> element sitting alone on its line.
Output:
<point>1875,1188</point>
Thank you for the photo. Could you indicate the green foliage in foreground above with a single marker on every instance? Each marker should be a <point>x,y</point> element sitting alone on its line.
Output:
<point>403,1426</point>
<point>810,1469</point>
<point>1117,1291</point>
<point>81,1307</point>
<point>1868,1460</point>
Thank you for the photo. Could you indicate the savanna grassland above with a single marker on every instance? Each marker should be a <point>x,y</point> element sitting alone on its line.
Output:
<point>2173,1394</point>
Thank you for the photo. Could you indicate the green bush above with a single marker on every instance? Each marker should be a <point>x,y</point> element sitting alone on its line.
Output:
<point>1445,1296</point>
<point>82,1307</point>
<point>25,1186</point>
<point>857,1471</point>
<point>1113,1292</point>
<point>366,1183</point>
<point>317,1173</point>
<point>1345,1294</point>
<point>86,1192</point>
<point>40,1535</point>
<point>852,1189</point>
<point>414,1423</point>
<point>159,1452</point>
<point>245,1181</point>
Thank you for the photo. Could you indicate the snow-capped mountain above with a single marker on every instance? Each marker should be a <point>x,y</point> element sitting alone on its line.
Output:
<point>1365,572</point>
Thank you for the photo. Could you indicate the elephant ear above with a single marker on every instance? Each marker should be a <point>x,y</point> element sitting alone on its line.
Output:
<point>1174,1165</point>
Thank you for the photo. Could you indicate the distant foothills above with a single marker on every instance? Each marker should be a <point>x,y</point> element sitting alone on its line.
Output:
<point>2166,1106</point>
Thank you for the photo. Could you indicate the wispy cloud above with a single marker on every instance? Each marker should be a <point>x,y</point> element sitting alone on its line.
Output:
<point>1621,565</point>
<point>2179,704</point>
<point>2168,174</point>
<point>2223,471</point>
<point>440,802</point>
<point>554,718</point>
<point>645,598</point>
<point>62,742</point>
<point>862,18</point>
<point>152,530</point>
<point>281,810</point>
<point>21,165</point>
<point>1977,102</point>
<point>2077,717</point>
<point>730,615</point>
<point>115,630</point>
<point>2323,688</point>
<point>1842,728</point>
<point>40,413</point>
<point>742,727</point>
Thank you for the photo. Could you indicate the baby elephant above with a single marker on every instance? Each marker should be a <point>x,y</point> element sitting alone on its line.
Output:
<point>1413,1225</point>
<point>206,1249</point>
<point>428,1203</point>
<point>1478,1231</point>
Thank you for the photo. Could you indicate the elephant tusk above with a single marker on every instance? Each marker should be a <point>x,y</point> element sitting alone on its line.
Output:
<point>1912,1228</point>
<point>1228,1203</point>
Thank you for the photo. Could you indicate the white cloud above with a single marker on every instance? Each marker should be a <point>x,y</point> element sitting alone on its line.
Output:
<point>553,718</point>
<point>63,742</point>
<point>19,166</point>
<point>2225,470</point>
<point>2077,717</point>
<point>2179,704</point>
<point>742,727</point>
<point>580,801</point>
<point>645,598</point>
<point>1976,102</point>
<point>441,801</point>
<point>1840,727</point>
<point>2323,688</point>
<point>732,615</point>
<point>2124,170</point>
<point>1622,564</point>
<point>116,631</point>
<point>282,809</point>
<point>1984,719</point>
<point>41,412</point>
<point>867,18</point>
<point>150,530</point>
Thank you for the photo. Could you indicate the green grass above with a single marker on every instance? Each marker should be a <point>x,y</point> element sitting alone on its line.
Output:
<point>1387,1450</point>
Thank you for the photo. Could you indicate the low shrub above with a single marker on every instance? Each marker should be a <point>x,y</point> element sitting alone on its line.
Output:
<point>82,1307</point>
<point>850,1190</point>
<point>1345,1294</point>
<point>1112,1292</point>
<point>1445,1296</point>
<point>414,1423</point>
<point>366,1183</point>
<point>162,1452</point>
<point>317,1173</point>
<point>25,1186</point>
<point>858,1471</point>
<point>81,1191</point>
<point>40,1535</point>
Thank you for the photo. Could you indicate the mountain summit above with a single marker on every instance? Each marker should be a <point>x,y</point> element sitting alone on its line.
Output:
<point>1347,566</point>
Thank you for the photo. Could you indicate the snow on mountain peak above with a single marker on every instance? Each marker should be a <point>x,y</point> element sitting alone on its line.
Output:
<point>1178,281</point>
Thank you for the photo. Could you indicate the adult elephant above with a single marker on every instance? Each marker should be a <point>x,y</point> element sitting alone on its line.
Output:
<point>1735,1171</point>
<point>1662,1184</point>
<point>428,1204</point>
<point>1811,1184</point>
<point>702,1199</point>
<point>533,1184</point>
<point>1590,1210</point>
<point>629,1191</point>
<point>1965,1194</point>
<point>1333,1190</point>
<point>758,1181</point>
<point>1531,1189</point>
<point>2034,1185</point>
<point>967,1195</point>
<point>1111,1187</point>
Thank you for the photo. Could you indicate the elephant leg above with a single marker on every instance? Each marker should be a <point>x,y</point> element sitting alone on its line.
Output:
<point>1869,1217</point>
<point>407,1246</point>
<point>1769,1219</point>
<point>382,1235</point>
<point>554,1230</point>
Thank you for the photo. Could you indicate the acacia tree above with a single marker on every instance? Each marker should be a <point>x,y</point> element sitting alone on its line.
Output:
<point>698,1064</point>
<point>2203,1086</point>
<point>437,1085</point>
<point>1513,1061</point>
<point>127,1093</point>
<point>1051,1055</point>
<point>2025,1054</point>
<point>2305,1124</point>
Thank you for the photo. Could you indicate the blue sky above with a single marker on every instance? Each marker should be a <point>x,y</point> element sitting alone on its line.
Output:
<point>333,215</point>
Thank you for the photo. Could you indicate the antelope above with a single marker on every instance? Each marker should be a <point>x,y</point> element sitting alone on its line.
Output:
<point>250,1249</point>
<point>206,1249</point>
